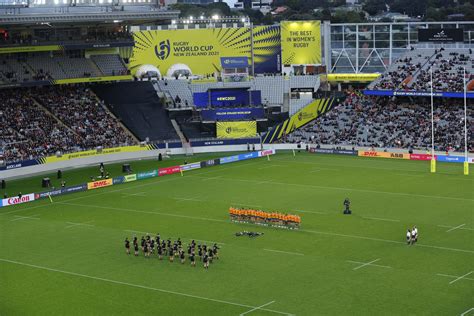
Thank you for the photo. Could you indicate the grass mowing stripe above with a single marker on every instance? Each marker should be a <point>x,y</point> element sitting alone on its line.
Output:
<point>138,286</point>
<point>344,189</point>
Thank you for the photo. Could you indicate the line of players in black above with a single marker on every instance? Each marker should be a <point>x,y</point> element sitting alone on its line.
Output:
<point>149,246</point>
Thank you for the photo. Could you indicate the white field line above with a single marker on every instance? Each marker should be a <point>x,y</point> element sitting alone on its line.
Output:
<point>285,252</point>
<point>365,264</point>
<point>243,204</point>
<point>381,219</point>
<point>92,195</point>
<point>144,212</point>
<point>301,230</point>
<point>454,228</point>
<point>212,178</point>
<point>467,312</point>
<point>267,167</point>
<point>453,276</point>
<point>138,286</point>
<point>135,231</point>
<point>385,240</point>
<point>310,212</point>
<point>134,194</point>
<point>72,224</point>
<point>255,308</point>
<point>19,218</point>
<point>462,228</point>
<point>345,189</point>
<point>180,199</point>
<point>362,263</point>
<point>461,277</point>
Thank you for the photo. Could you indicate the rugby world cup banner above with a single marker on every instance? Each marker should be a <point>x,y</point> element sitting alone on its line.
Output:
<point>203,50</point>
<point>243,129</point>
<point>301,42</point>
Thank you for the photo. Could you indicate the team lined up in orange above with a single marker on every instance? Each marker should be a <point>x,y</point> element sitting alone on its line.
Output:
<point>251,214</point>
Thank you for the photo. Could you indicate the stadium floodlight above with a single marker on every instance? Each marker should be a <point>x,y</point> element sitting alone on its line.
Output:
<point>201,17</point>
<point>243,20</point>
<point>173,21</point>
<point>215,17</point>
<point>191,18</point>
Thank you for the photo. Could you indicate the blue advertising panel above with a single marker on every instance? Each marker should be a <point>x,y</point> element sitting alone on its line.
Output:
<point>19,164</point>
<point>236,114</point>
<point>229,159</point>
<point>450,158</point>
<point>191,166</point>
<point>248,155</point>
<point>234,62</point>
<point>118,180</point>
<point>227,98</point>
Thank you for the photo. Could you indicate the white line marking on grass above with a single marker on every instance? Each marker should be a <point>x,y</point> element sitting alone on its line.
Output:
<point>144,212</point>
<point>134,194</point>
<point>366,264</point>
<point>72,224</point>
<point>347,189</point>
<point>135,231</point>
<point>462,228</point>
<point>271,166</point>
<point>310,212</point>
<point>19,218</point>
<point>211,178</point>
<point>181,199</point>
<point>286,252</point>
<point>467,312</point>
<point>243,204</point>
<point>362,264</point>
<point>381,219</point>
<point>301,230</point>
<point>453,276</point>
<point>385,240</point>
<point>461,277</point>
<point>139,286</point>
<point>255,308</point>
<point>454,228</point>
<point>93,195</point>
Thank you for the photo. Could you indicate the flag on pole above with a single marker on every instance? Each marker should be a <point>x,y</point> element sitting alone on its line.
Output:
<point>50,198</point>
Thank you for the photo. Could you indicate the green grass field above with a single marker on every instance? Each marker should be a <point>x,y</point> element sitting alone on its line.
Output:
<point>334,265</point>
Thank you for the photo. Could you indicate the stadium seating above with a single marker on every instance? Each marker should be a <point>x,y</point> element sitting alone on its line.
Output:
<point>109,65</point>
<point>44,121</point>
<point>412,71</point>
<point>138,106</point>
<point>381,122</point>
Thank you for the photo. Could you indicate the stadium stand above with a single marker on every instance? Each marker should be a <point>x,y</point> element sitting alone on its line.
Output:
<point>110,65</point>
<point>385,123</point>
<point>412,71</point>
<point>139,108</point>
<point>43,121</point>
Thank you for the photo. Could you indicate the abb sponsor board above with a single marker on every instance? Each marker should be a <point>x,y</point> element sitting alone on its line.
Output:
<point>18,200</point>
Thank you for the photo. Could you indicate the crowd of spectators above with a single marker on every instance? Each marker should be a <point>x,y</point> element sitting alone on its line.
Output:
<point>387,123</point>
<point>76,121</point>
<point>412,72</point>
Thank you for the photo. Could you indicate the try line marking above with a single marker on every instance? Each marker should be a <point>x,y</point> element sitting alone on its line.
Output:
<point>255,308</point>
<point>141,286</point>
